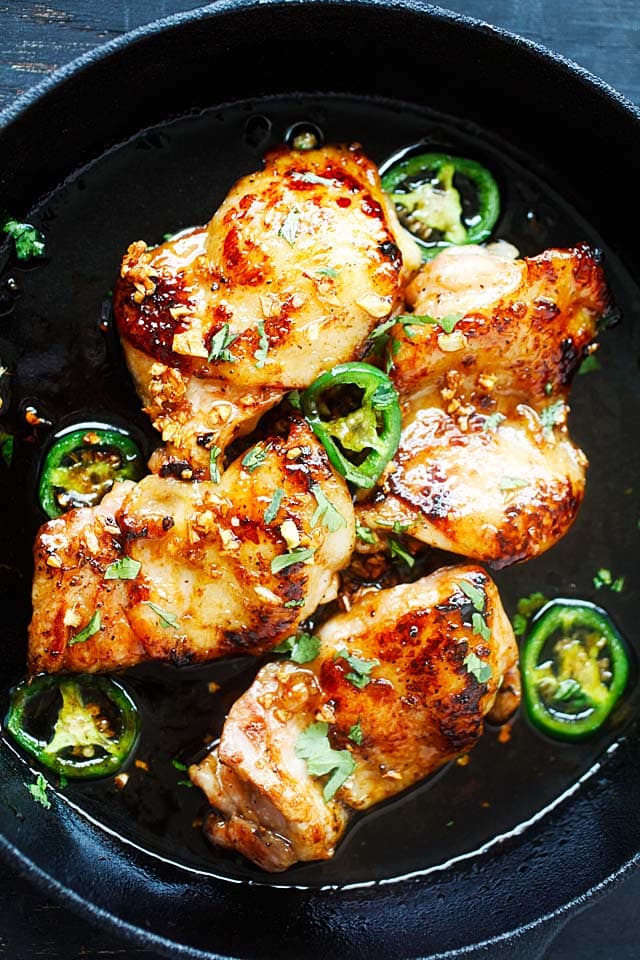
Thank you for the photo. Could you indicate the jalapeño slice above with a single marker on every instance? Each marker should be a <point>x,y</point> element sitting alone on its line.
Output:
<point>443,200</point>
<point>575,667</point>
<point>82,466</point>
<point>81,726</point>
<point>354,411</point>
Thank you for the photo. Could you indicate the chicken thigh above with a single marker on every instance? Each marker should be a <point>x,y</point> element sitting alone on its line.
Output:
<point>485,467</point>
<point>294,270</point>
<point>399,686</point>
<point>187,572</point>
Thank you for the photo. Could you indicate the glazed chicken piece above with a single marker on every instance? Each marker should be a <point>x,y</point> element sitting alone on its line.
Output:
<point>485,466</point>
<point>297,266</point>
<point>224,568</point>
<point>401,685</point>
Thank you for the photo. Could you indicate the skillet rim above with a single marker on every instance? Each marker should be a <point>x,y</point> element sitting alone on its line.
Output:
<point>48,86</point>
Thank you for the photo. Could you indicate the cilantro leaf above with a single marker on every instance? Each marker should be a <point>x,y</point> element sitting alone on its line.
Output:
<point>604,578</point>
<point>294,603</point>
<point>589,364</point>
<point>384,396</point>
<point>220,343</point>
<point>328,272</point>
<point>256,456</point>
<point>526,607</point>
<point>550,416</point>
<point>125,568</point>
<point>479,668</point>
<point>289,228</point>
<point>302,648</point>
<point>476,596</point>
<point>214,470</point>
<point>284,560</point>
<point>28,241</point>
<point>274,505</point>
<point>355,734</point>
<point>38,791</point>
<point>263,346</point>
<point>325,512</point>
<point>397,550</point>
<point>512,483</point>
<point>166,619</point>
<point>364,533</point>
<point>314,748</point>
<point>360,668</point>
<point>92,627</point>
<point>479,626</point>
<point>493,421</point>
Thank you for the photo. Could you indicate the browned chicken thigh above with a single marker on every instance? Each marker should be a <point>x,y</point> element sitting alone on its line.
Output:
<point>485,466</point>
<point>399,686</point>
<point>213,568</point>
<point>289,277</point>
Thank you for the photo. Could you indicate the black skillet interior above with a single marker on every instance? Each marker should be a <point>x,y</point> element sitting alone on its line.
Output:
<point>187,123</point>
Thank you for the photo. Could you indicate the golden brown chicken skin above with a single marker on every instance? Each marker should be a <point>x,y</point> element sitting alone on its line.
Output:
<point>217,573</point>
<point>294,270</point>
<point>486,467</point>
<point>429,662</point>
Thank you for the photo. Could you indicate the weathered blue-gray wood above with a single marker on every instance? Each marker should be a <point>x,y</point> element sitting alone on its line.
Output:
<point>35,38</point>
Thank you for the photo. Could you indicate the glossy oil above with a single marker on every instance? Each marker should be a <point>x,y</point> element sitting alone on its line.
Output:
<point>57,340</point>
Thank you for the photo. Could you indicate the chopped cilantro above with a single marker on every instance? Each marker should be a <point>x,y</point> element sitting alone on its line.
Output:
<point>360,669</point>
<point>548,388</point>
<point>395,526</point>
<point>325,512</point>
<point>476,596</point>
<point>355,734</point>
<point>479,626</point>
<point>589,364</point>
<point>302,648</point>
<point>28,241</point>
<point>604,578</point>
<point>294,399</point>
<point>512,483</point>
<point>526,607</point>
<point>179,765</point>
<point>479,668</point>
<point>397,550</point>
<point>166,619</point>
<point>38,791</point>
<point>214,470</point>
<point>550,416</point>
<point>6,447</point>
<point>364,533</point>
<point>256,456</point>
<point>447,323</point>
<point>493,421</point>
<point>274,505</point>
<point>184,783</point>
<point>92,627</point>
<point>263,346</point>
<point>295,603</point>
<point>284,560</point>
<point>314,748</point>
<point>384,396</point>
<point>289,228</point>
<point>220,343</point>
<point>125,568</point>
<point>328,272</point>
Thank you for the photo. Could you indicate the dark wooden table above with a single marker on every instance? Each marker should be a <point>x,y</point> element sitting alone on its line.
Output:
<point>35,38</point>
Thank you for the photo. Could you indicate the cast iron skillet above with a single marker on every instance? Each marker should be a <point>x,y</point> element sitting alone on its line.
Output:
<point>487,854</point>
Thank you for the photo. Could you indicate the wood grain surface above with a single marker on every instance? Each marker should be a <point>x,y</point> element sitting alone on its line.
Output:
<point>35,39</point>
